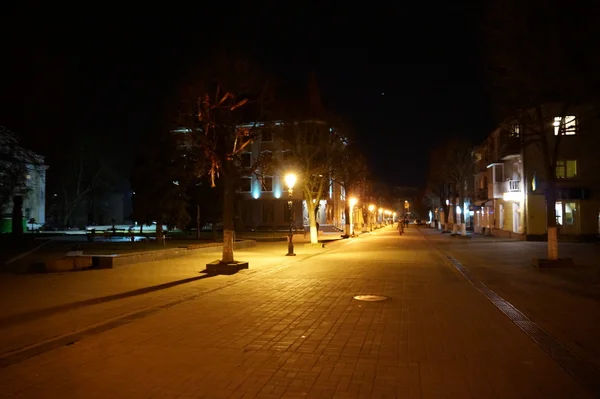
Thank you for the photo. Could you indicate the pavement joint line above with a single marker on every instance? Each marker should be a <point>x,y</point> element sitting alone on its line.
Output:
<point>38,348</point>
<point>583,372</point>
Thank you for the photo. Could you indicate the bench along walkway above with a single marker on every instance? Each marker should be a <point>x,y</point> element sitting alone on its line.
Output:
<point>77,260</point>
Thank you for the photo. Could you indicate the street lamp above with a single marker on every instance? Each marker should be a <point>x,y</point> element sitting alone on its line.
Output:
<point>290,180</point>
<point>353,202</point>
<point>371,215</point>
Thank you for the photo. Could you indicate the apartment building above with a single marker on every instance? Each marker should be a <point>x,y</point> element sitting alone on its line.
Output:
<point>263,195</point>
<point>511,181</point>
<point>34,198</point>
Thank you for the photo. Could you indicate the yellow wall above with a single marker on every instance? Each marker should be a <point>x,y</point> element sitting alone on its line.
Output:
<point>536,214</point>
<point>588,217</point>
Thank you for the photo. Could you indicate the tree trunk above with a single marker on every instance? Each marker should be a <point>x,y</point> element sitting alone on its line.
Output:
<point>159,231</point>
<point>197,222</point>
<point>17,216</point>
<point>454,215</point>
<point>551,221</point>
<point>228,204</point>
<point>312,222</point>
<point>347,224</point>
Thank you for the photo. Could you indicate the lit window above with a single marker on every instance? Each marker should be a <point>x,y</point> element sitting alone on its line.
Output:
<point>566,169</point>
<point>514,131</point>
<point>566,126</point>
<point>246,184</point>
<point>570,210</point>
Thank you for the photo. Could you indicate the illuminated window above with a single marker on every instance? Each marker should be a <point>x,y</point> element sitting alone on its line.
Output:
<point>570,210</point>
<point>514,131</point>
<point>566,213</point>
<point>566,169</point>
<point>246,184</point>
<point>566,125</point>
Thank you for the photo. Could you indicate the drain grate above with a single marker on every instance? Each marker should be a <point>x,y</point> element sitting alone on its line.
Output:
<point>585,374</point>
<point>370,298</point>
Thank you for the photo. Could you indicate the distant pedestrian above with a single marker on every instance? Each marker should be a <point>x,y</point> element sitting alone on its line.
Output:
<point>400,226</point>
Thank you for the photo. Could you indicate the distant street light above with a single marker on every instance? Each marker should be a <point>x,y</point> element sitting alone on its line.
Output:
<point>290,181</point>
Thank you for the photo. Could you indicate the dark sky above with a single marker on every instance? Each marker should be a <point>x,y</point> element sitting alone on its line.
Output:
<point>107,71</point>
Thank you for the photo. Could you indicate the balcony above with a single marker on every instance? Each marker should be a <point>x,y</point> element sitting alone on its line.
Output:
<point>512,186</point>
<point>495,190</point>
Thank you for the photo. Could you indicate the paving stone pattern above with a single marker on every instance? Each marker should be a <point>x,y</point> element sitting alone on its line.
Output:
<point>297,333</point>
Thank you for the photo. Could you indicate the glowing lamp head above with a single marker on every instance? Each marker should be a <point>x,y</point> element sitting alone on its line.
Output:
<point>380,210</point>
<point>353,201</point>
<point>290,180</point>
<point>371,208</point>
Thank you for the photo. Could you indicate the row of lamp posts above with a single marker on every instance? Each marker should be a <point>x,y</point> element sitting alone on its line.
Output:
<point>290,181</point>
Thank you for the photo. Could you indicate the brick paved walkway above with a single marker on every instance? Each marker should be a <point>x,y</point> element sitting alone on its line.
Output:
<point>297,332</point>
<point>565,302</point>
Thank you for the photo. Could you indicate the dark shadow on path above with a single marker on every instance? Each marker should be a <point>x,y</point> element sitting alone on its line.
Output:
<point>36,314</point>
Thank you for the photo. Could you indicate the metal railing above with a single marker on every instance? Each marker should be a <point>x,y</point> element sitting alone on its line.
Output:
<point>513,186</point>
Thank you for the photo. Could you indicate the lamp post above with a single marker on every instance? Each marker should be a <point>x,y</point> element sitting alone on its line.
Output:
<point>353,202</point>
<point>371,215</point>
<point>290,180</point>
<point>380,217</point>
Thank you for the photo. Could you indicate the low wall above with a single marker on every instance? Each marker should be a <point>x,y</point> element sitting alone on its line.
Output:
<point>112,261</point>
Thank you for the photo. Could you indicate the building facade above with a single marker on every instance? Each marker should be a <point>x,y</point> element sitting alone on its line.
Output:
<point>263,196</point>
<point>511,179</point>
<point>34,199</point>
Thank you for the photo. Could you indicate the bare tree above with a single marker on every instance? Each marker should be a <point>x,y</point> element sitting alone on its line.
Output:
<point>313,150</point>
<point>543,66</point>
<point>451,167</point>
<point>350,172</point>
<point>221,111</point>
<point>77,183</point>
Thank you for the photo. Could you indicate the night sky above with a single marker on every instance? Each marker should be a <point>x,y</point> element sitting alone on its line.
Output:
<point>405,77</point>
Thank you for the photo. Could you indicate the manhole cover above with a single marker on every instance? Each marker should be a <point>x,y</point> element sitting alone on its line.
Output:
<point>370,298</point>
